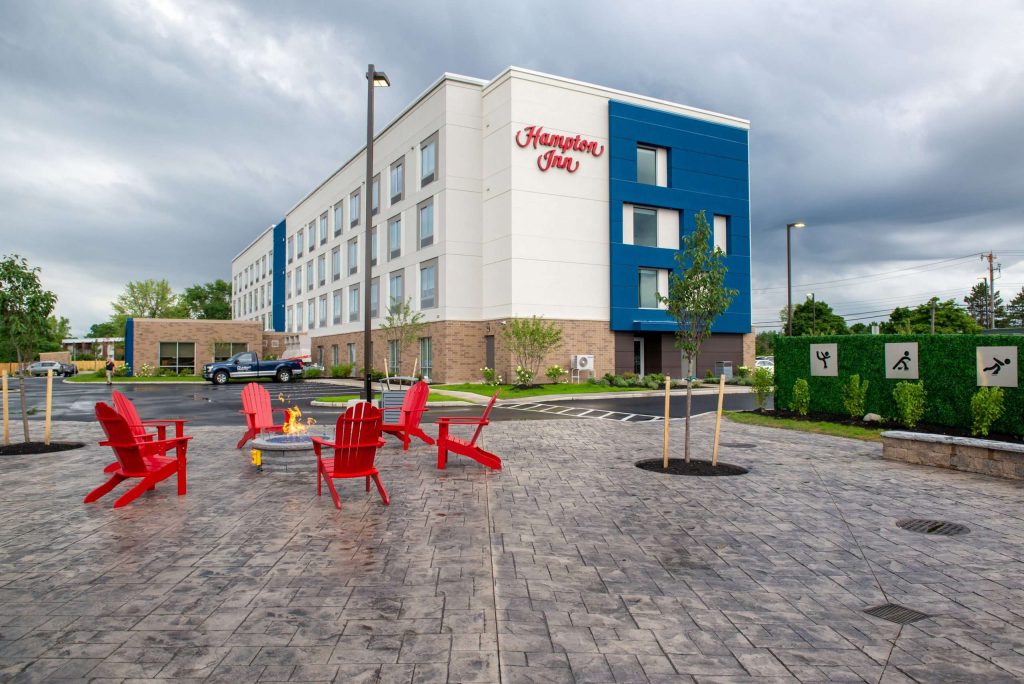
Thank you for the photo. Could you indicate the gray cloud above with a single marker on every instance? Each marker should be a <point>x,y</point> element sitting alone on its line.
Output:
<point>155,139</point>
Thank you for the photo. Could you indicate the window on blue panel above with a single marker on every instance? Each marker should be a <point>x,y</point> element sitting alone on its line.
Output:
<point>648,288</point>
<point>722,233</point>
<point>646,165</point>
<point>645,227</point>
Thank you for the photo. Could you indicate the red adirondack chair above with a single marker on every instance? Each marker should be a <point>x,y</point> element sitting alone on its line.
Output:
<point>447,442</point>
<point>259,414</point>
<point>124,406</point>
<point>414,405</point>
<point>137,458</point>
<point>356,441</point>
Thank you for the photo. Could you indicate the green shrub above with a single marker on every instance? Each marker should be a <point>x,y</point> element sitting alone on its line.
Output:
<point>742,372</point>
<point>986,408</point>
<point>801,397</point>
<point>123,371</point>
<point>764,386</point>
<point>654,380</point>
<point>617,381</point>
<point>909,398</point>
<point>491,376</point>
<point>632,379</point>
<point>310,372</point>
<point>375,375</point>
<point>854,394</point>
<point>163,372</point>
<point>524,376</point>
<point>709,376</point>
<point>555,373</point>
<point>342,370</point>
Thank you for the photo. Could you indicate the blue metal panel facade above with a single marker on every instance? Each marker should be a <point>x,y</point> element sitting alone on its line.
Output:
<point>708,168</point>
<point>129,345</point>
<point>277,312</point>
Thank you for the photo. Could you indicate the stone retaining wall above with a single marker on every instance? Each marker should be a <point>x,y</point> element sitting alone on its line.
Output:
<point>1001,459</point>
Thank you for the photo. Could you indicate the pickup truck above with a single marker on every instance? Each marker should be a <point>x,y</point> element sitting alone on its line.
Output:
<point>248,365</point>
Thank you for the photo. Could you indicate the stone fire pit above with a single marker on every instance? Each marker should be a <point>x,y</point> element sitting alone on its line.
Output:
<point>287,453</point>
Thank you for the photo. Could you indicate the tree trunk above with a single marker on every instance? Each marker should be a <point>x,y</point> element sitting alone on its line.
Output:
<point>689,404</point>
<point>24,406</point>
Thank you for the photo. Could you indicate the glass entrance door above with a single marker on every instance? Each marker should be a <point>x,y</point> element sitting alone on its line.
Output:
<point>638,355</point>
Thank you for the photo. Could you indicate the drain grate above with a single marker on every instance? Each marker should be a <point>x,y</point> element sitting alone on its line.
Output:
<point>941,527</point>
<point>894,612</point>
<point>738,445</point>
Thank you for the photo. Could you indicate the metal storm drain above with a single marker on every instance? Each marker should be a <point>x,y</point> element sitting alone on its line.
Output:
<point>941,527</point>
<point>894,612</point>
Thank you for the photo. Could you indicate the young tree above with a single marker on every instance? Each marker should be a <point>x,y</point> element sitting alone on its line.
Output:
<point>529,340</point>
<point>764,342</point>
<point>815,317</point>
<point>949,318</point>
<point>25,309</point>
<point>403,325</point>
<point>1015,310</point>
<point>146,299</point>
<point>979,306</point>
<point>697,295</point>
<point>208,300</point>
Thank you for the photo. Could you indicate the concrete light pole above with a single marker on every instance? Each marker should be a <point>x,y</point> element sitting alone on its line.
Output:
<point>377,79</point>
<point>789,278</point>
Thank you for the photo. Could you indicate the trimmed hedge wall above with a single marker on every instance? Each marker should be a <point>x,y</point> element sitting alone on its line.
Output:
<point>946,365</point>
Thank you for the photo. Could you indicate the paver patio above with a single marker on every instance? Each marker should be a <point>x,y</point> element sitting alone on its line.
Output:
<point>568,565</point>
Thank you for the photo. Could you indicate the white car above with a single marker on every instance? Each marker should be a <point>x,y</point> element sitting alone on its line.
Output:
<point>40,368</point>
<point>765,363</point>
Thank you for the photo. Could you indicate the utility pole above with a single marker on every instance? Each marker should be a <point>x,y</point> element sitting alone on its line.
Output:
<point>991,290</point>
<point>933,314</point>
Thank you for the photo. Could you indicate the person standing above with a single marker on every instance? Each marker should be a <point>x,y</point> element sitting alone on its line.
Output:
<point>110,370</point>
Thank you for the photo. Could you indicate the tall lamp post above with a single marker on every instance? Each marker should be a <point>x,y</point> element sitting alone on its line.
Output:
<point>814,315</point>
<point>789,278</point>
<point>374,79</point>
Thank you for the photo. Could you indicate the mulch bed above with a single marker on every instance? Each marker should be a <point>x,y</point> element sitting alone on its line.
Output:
<point>924,428</point>
<point>23,448</point>
<point>679,466</point>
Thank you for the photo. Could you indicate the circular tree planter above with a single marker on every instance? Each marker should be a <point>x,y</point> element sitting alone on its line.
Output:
<point>24,448</point>
<point>679,466</point>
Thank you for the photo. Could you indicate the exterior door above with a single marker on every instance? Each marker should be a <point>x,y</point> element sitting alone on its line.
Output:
<point>489,351</point>
<point>638,355</point>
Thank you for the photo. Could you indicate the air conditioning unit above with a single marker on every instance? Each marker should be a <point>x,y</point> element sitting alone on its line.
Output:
<point>582,362</point>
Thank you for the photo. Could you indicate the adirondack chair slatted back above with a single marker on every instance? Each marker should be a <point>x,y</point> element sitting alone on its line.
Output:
<point>124,406</point>
<point>483,419</point>
<point>122,439</point>
<point>415,404</point>
<point>357,434</point>
<point>256,400</point>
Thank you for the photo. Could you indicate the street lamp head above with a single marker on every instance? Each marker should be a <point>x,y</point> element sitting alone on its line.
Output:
<point>380,80</point>
<point>798,224</point>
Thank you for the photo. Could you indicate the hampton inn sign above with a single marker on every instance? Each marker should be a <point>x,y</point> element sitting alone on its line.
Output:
<point>536,137</point>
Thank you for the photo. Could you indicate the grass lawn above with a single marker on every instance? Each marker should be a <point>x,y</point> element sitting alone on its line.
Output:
<point>818,427</point>
<point>513,392</point>
<point>90,377</point>
<point>434,396</point>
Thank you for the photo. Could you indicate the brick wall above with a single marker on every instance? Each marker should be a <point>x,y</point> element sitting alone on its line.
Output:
<point>150,332</point>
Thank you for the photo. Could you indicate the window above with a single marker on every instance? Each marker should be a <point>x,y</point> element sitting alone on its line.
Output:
<point>428,160</point>
<point>373,246</point>
<point>178,356</point>
<point>298,281</point>
<point>300,243</point>
<point>722,233</point>
<point>298,317</point>
<point>311,313</point>
<point>653,281</point>
<point>646,165</point>
<point>375,196</point>
<point>264,271</point>
<point>336,263</point>
<point>396,288</point>
<point>339,217</point>
<point>394,355</point>
<point>398,180</point>
<point>222,351</point>
<point>337,306</point>
<point>353,303</point>
<point>323,228</point>
<point>291,248</point>
<point>321,269</point>
<point>395,237</point>
<point>353,256</point>
<point>426,357</point>
<point>428,285</point>
<point>353,208</point>
<point>323,311</point>
<point>425,223</point>
<point>334,355</point>
<point>320,355</point>
<point>288,285</point>
<point>309,275</point>
<point>262,300</point>
<point>311,237</point>
<point>291,319</point>
<point>352,353</point>
<point>375,298</point>
<point>645,227</point>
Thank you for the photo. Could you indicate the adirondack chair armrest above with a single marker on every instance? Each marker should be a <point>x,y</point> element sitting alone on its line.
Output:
<point>462,421</point>
<point>166,421</point>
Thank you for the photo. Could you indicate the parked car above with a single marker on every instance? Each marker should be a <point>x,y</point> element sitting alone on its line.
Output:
<point>68,369</point>
<point>765,362</point>
<point>41,367</point>
<point>248,365</point>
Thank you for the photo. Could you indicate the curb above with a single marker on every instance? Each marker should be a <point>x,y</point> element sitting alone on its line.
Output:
<point>341,405</point>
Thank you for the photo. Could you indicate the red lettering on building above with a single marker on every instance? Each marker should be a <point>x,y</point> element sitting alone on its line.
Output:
<point>536,137</point>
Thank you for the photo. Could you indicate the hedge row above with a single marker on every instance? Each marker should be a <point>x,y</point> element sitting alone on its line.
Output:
<point>946,365</point>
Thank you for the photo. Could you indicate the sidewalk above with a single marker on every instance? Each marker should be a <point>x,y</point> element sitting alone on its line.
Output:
<point>570,565</point>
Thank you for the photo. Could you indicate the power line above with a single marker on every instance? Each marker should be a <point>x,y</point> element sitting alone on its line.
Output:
<point>883,275</point>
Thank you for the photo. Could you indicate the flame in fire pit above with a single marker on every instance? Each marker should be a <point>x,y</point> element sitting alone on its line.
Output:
<point>293,422</point>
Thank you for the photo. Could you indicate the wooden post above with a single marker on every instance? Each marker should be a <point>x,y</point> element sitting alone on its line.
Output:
<point>49,404</point>
<point>718,419</point>
<point>664,449</point>
<point>7,428</point>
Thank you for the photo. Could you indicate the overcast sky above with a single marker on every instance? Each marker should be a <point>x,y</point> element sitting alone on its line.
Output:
<point>156,138</point>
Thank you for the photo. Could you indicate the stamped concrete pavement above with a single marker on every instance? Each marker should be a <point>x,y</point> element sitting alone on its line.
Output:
<point>570,565</point>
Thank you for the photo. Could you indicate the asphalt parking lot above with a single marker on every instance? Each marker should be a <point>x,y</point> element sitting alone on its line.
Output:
<point>206,404</point>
